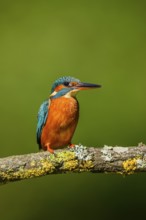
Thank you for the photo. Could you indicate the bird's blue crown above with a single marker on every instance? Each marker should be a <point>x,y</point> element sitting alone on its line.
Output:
<point>65,80</point>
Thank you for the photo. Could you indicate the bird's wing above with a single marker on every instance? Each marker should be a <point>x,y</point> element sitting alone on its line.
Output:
<point>42,117</point>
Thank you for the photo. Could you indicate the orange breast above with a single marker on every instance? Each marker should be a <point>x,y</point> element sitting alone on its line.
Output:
<point>61,122</point>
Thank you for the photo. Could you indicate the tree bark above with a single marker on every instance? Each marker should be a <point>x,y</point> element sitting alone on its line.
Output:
<point>119,160</point>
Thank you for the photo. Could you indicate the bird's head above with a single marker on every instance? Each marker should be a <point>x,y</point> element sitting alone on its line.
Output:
<point>68,86</point>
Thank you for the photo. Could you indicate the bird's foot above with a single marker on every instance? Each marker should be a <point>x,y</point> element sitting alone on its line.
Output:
<point>71,145</point>
<point>49,149</point>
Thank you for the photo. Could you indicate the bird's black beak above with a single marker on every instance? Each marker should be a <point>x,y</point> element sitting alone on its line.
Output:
<point>83,86</point>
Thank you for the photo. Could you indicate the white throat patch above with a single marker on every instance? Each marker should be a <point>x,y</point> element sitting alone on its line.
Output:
<point>71,93</point>
<point>53,93</point>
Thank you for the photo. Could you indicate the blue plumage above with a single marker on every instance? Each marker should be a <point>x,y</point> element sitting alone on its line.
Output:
<point>65,80</point>
<point>42,117</point>
<point>61,93</point>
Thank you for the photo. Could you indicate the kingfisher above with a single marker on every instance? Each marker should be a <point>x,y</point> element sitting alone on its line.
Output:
<point>58,115</point>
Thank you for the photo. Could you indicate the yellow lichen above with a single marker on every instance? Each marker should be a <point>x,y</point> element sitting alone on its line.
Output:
<point>130,166</point>
<point>5,176</point>
<point>33,163</point>
<point>86,165</point>
<point>63,160</point>
<point>34,172</point>
<point>70,165</point>
<point>45,168</point>
<point>63,156</point>
<point>75,165</point>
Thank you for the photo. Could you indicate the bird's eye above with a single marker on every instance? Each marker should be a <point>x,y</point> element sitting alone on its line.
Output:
<point>66,83</point>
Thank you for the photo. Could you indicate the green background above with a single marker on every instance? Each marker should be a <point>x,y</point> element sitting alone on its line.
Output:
<point>96,41</point>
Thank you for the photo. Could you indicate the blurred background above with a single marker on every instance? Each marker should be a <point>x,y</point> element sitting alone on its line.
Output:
<point>100,42</point>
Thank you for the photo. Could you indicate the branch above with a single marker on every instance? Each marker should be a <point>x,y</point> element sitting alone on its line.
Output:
<point>123,160</point>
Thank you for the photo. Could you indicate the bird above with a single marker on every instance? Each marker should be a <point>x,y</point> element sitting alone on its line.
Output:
<point>58,115</point>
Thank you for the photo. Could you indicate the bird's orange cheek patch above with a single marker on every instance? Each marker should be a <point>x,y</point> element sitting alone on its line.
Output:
<point>58,88</point>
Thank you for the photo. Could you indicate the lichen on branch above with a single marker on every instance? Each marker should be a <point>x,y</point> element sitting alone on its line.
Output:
<point>123,160</point>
